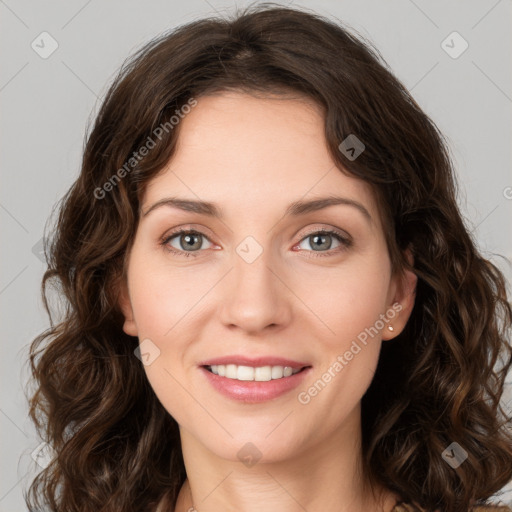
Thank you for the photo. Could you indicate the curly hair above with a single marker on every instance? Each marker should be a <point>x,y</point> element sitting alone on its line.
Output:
<point>115,446</point>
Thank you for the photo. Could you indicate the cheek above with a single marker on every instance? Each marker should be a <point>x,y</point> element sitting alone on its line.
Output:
<point>350,298</point>
<point>163,302</point>
<point>350,350</point>
<point>162,295</point>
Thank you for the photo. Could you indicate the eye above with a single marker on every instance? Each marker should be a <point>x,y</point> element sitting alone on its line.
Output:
<point>320,240</point>
<point>187,241</point>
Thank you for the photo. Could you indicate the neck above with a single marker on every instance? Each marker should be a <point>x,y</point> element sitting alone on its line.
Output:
<point>326,476</point>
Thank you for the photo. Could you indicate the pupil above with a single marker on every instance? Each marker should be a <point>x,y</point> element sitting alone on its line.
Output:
<point>189,241</point>
<point>321,237</point>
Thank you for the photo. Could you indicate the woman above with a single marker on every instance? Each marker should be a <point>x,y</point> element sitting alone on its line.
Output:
<point>273,301</point>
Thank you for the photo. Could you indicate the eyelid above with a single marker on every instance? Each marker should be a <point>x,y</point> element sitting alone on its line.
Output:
<point>196,228</point>
<point>326,227</point>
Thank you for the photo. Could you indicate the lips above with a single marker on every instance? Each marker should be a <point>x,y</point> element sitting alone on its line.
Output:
<point>240,387</point>
<point>254,391</point>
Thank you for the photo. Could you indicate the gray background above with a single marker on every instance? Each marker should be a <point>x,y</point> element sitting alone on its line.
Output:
<point>46,104</point>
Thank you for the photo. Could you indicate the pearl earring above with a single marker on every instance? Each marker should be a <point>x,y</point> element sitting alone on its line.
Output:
<point>390,328</point>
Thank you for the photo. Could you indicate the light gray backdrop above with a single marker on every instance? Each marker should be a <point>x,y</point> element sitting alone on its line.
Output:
<point>59,56</point>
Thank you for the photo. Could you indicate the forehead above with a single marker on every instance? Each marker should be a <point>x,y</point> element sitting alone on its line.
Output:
<point>244,152</point>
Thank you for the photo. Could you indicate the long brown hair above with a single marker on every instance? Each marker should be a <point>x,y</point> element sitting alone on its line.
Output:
<point>116,447</point>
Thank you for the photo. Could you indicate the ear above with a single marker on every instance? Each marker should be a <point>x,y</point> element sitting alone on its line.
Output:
<point>129,326</point>
<point>402,301</point>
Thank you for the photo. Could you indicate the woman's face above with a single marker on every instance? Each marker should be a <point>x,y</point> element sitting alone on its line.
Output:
<point>257,281</point>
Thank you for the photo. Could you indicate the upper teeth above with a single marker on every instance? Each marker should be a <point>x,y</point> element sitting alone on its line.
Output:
<point>260,373</point>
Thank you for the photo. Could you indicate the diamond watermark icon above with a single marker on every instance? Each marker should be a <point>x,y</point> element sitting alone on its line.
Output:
<point>455,455</point>
<point>454,45</point>
<point>351,147</point>
<point>44,45</point>
<point>249,454</point>
<point>147,352</point>
<point>43,454</point>
<point>249,249</point>
<point>38,250</point>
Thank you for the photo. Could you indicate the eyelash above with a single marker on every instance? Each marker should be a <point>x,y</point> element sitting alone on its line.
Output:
<point>345,242</point>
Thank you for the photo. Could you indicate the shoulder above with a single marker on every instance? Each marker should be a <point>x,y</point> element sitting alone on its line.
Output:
<point>405,507</point>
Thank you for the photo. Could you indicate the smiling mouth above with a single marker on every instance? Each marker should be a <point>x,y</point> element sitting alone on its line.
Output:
<point>250,373</point>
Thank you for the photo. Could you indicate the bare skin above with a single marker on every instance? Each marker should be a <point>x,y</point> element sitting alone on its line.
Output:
<point>253,157</point>
<point>389,499</point>
<point>184,502</point>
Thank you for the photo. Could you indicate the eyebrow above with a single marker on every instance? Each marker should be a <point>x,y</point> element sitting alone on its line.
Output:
<point>294,209</point>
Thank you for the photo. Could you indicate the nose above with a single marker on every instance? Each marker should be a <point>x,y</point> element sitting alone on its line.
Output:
<point>255,297</point>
